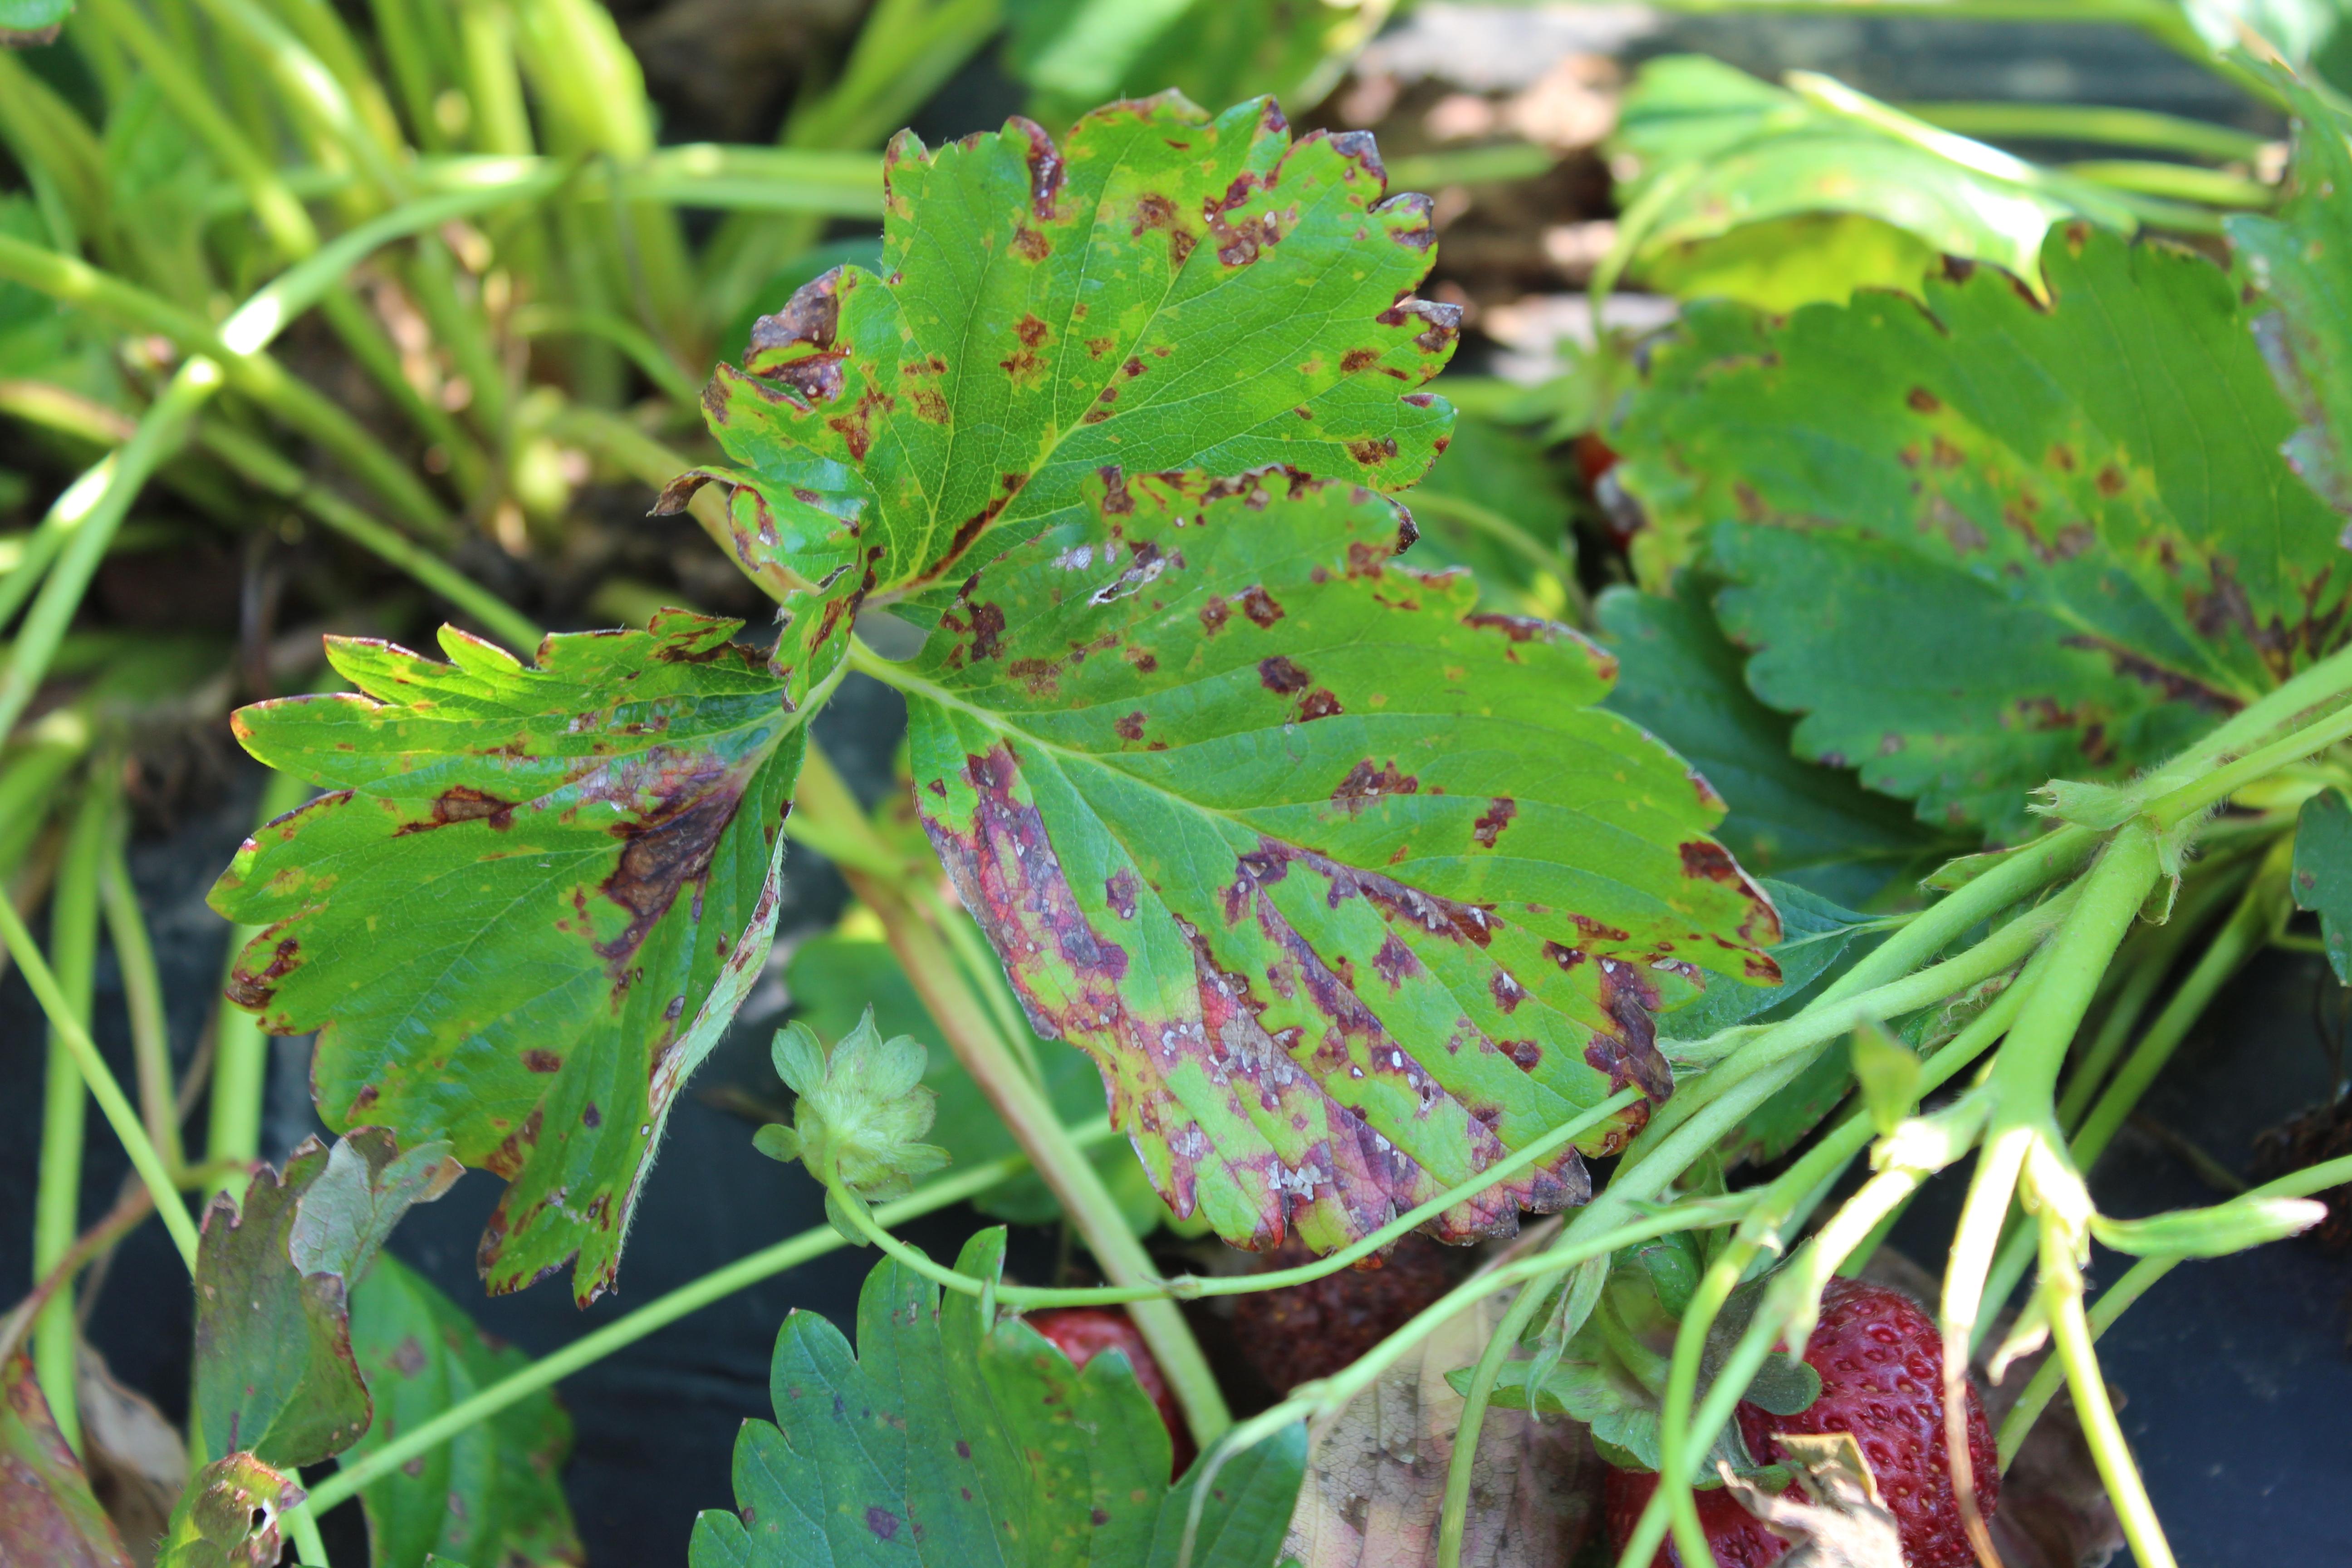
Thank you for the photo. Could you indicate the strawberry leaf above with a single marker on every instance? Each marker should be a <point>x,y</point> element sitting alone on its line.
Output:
<point>1346,886</point>
<point>1983,544</point>
<point>1163,290</point>
<point>229,1516</point>
<point>47,1512</point>
<point>494,1492</point>
<point>530,902</point>
<point>2301,262</point>
<point>946,1442</point>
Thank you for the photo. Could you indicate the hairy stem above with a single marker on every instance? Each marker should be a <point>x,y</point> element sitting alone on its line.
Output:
<point>1017,1097</point>
<point>2061,1289</point>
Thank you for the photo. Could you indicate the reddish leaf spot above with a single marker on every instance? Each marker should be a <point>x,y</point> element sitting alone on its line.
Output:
<point>1120,889</point>
<point>1214,616</point>
<point>1030,330</point>
<point>1260,607</point>
<point>1355,360</point>
<point>1498,816</point>
<point>1371,452</point>
<point>1506,990</point>
<point>1278,674</point>
<point>1922,401</point>
<point>537,1061</point>
<point>463,804</point>
<point>1131,727</point>
<point>1320,703</point>
<point>1031,245</point>
<point>1366,783</point>
<point>1394,962</point>
<point>882,1522</point>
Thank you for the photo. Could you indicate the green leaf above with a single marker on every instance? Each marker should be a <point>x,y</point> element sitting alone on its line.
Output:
<point>1888,1073</point>
<point>861,1110</point>
<point>1714,151</point>
<point>275,1376</point>
<point>2323,873</point>
<point>1781,1122</point>
<point>529,904</point>
<point>1778,263</point>
<point>1163,291</point>
<point>2300,260</point>
<point>1984,544</point>
<point>47,1512</point>
<point>1681,680</point>
<point>228,1516</point>
<point>493,1494</point>
<point>1347,886</point>
<point>833,979</point>
<point>948,1441</point>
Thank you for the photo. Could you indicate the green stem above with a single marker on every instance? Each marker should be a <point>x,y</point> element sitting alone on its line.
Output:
<point>142,987</point>
<point>2191,799</point>
<point>119,1115</point>
<point>240,1051</point>
<point>1690,1437</point>
<point>1193,1287</point>
<point>57,1202</point>
<point>1027,1113</point>
<point>648,356</point>
<point>2038,1393</point>
<point>2097,123</point>
<point>2062,1288</point>
<point>89,513</point>
<point>2261,909</point>
<point>2175,182</point>
<point>1453,1513</point>
<point>309,1546</point>
<point>659,1313</point>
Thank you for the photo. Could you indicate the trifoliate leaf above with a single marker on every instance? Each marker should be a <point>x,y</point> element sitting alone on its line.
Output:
<point>946,1442</point>
<point>1681,680</point>
<point>528,906</point>
<point>862,1109</point>
<point>1984,543</point>
<point>2323,873</point>
<point>1344,883</point>
<point>275,1376</point>
<point>47,1512</point>
<point>1162,291</point>
<point>494,1493</point>
<point>2300,260</point>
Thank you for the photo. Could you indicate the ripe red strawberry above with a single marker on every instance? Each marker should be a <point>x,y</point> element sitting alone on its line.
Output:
<point>1082,1334</point>
<point>1881,1363</point>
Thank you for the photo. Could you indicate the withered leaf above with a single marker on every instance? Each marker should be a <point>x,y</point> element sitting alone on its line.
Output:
<point>530,903</point>
<point>1346,886</point>
<point>1376,1474</point>
<point>47,1514</point>
<point>275,1375</point>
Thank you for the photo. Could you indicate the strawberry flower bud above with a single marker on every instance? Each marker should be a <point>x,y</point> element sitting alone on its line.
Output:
<point>862,1107</point>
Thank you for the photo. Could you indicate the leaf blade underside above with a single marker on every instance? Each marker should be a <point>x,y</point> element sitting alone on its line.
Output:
<point>1344,885</point>
<point>1982,544</point>
<point>530,903</point>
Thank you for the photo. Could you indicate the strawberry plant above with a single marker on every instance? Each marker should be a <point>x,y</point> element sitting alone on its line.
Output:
<point>1972,710</point>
